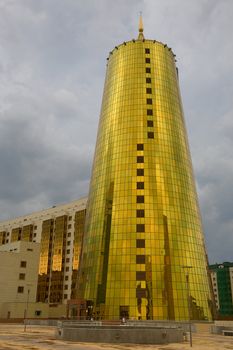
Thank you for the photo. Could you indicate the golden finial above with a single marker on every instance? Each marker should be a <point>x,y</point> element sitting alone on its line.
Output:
<point>140,28</point>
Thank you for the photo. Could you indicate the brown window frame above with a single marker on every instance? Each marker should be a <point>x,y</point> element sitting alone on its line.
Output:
<point>140,213</point>
<point>22,276</point>
<point>140,159</point>
<point>150,123</point>
<point>140,259</point>
<point>150,135</point>
<point>23,263</point>
<point>140,185</point>
<point>140,147</point>
<point>140,275</point>
<point>149,111</point>
<point>140,243</point>
<point>140,227</point>
<point>20,290</point>
<point>140,199</point>
<point>141,293</point>
<point>140,171</point>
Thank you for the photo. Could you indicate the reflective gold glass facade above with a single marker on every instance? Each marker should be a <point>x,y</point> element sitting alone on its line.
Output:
<point>46,246</point>
<point>59,260</point>
<point>2,237</point>
<point>79,221</point>
<point>27,233</point>
<point>143,224</point>
<point>16,234</point>
<point>52,260</point>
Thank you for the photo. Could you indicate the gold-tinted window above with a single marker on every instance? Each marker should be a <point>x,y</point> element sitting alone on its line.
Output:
<point>172,235</point>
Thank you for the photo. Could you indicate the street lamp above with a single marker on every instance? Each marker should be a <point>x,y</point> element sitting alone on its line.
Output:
<point>26,310</point>
<point>189,302</point>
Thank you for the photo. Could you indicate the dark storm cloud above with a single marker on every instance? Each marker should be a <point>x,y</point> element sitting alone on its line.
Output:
<point>52,63</point>
<point>200,34</point>
<point>52,67</point>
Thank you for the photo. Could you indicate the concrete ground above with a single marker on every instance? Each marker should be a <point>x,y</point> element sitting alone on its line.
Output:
<point>13,337</point>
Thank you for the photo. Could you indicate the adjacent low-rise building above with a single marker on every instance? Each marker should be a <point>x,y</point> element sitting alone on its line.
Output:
<point>19,275</point>
<point>39,260</point>
<point>222,282</point>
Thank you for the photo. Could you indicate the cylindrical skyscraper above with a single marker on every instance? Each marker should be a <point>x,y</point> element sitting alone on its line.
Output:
<point>143,254</point>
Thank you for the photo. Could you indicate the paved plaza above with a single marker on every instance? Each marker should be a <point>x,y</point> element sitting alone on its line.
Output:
<point>13,337</point>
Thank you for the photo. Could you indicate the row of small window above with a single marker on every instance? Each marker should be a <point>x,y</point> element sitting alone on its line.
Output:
<point>140,243</point>
<point>130,103</point>
<point>149,101</point>
<point>137,60</point>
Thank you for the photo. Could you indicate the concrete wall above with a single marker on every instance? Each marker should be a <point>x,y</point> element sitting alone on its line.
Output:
<point>220,326</point>
<point>122,334</point>
<point>17,310</point>
<point>13,275</point>
<point>34,310</point>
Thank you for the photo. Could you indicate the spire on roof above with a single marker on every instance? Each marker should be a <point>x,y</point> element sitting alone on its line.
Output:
<point>140,28</point>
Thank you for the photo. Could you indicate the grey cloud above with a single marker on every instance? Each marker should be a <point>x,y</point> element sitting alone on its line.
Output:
<point>52,65</point>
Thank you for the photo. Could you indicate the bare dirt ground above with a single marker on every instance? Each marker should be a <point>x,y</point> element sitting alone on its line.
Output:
<point>13,337</point>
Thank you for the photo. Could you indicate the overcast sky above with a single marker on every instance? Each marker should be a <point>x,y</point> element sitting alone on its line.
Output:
<point>52,68</point>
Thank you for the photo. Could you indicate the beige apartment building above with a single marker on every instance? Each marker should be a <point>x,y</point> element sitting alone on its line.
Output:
<point>18,277</point>
<point>39,260</point>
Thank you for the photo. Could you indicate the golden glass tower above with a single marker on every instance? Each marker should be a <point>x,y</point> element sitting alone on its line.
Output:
<point>143,235</point>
